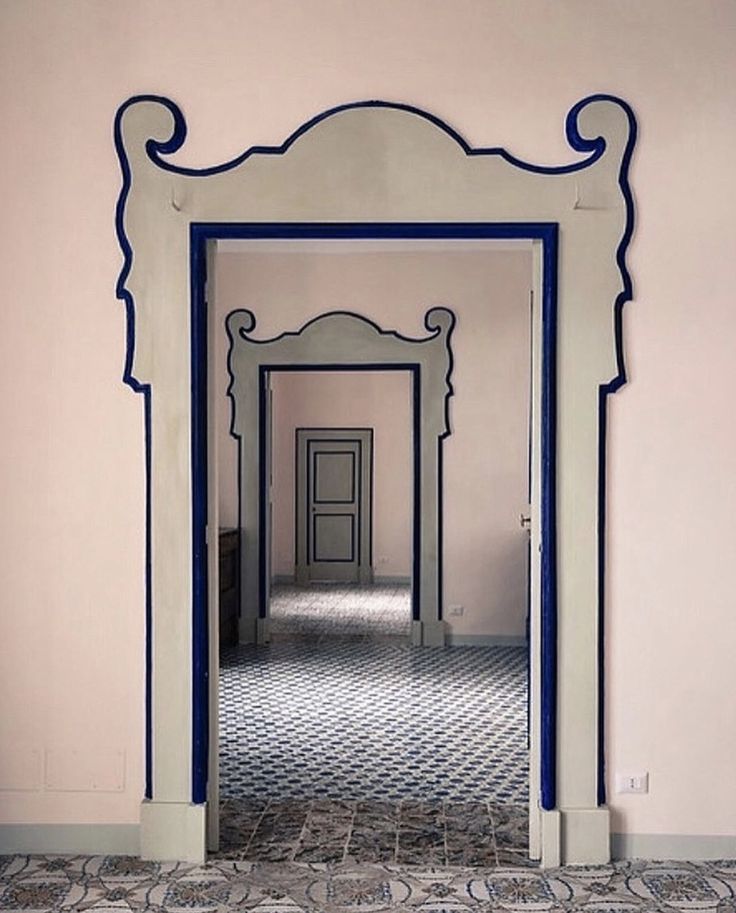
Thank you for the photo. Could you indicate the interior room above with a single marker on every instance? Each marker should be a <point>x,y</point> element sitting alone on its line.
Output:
<point>99,752</point>
<point>349,737</point>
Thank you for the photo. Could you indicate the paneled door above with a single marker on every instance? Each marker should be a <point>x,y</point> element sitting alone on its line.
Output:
<point>334,469</point>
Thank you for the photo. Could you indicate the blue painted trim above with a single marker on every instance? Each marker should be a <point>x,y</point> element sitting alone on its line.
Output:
<point>596,147</point>
<point>122,293</point>
<point>548,589</point>
<point>604,391</point>
<point>200,575</point>
<point>416,530</point>
<point>547,233</point>
<point>263,467</point>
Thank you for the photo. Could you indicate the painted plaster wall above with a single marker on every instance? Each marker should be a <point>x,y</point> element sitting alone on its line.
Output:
<point>486,457</point>
<point>71,465</point>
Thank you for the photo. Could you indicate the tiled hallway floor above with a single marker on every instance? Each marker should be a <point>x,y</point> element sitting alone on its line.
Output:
<point>328,612</point>
<point>342,742</point>
<point>374,721</point>
<point>405,833</point>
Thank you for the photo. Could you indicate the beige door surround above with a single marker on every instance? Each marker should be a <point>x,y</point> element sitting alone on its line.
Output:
<point>375,164</point>
<point>343,340</point>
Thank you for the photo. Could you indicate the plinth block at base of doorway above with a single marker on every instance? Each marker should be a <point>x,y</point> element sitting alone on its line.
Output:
<point>173,831</point>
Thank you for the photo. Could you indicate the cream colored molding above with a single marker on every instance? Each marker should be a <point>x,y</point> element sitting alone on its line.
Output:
<point>173,831</point>
<point>376,163</point>
<point>341,340</point>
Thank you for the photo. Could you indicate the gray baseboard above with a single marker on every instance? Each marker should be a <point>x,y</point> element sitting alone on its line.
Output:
<point>673,846</point>
<point>485,640</point>
<point>87,839</point>
<point>283,579</point>
<point>383,579</point>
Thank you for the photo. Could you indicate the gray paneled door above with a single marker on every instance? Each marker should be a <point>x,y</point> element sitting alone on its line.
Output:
<point>334,470</point>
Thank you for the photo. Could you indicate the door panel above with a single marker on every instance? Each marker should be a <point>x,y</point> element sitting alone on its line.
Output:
<point>333,537</point>
<point>333,504</point>
<point>333,475</point>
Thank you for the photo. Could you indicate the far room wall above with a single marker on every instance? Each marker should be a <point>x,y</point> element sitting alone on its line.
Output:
<point>485,458</point>
<point>378,400</point>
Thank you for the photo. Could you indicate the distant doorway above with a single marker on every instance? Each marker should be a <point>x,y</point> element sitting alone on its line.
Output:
<point>333,505</point>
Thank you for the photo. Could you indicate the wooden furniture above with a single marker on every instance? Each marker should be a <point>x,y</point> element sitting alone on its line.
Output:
<point>229,548</point>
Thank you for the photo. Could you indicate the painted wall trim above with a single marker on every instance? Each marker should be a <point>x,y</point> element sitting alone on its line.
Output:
<point>486,640</point>
<point>673,846</point>
<point>88,839</point>
<point>334,341</point>
<point>378,579</point>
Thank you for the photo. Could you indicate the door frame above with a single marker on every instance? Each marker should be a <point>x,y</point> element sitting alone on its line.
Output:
<point>361,166</point>
<point>331,435</point>
<point>336,341</point>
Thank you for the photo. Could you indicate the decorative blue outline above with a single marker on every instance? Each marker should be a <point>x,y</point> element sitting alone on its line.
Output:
<point>604,391</point>
<point>547,233</point>
<point>595,147</point>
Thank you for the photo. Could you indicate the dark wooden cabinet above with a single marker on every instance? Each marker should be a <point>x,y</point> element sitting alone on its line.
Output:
<point>229,586</point>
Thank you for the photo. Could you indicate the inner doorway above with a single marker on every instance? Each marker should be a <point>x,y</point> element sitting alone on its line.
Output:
<point>363,419</point>
<point>499,750</point>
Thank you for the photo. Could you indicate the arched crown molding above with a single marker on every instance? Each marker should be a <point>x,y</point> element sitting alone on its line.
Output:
<point>341,339</point>
<point>149,128</point>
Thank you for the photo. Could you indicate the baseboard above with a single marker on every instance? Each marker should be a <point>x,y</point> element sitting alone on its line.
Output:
<point>485,640</point>
<point>86,839</point>
<point>673,846</point>
<point>381,579</point>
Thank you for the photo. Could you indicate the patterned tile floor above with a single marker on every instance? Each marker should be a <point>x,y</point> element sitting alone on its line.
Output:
<point>426,834</point>
<point>407,833</point>
<point>373,721</point>
<point>329,612</point>
<point>341,742</point>
<point>115,884</point>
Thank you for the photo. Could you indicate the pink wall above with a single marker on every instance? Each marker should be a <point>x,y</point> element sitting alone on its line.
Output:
<point>381,401</point>
<point>486,457</point>
<point>72,524</point>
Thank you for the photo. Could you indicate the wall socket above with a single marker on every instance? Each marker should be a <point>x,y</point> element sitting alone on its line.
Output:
<point>455,610</point>
<point>633,783</point>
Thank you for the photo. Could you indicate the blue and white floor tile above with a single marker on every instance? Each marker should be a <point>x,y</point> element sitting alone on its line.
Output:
<point>374,721</point>
<point>61,884</point>
<point>340,741</point>
<point>330,611</point>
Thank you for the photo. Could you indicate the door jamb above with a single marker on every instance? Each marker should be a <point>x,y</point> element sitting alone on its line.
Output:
<point>544,233</point>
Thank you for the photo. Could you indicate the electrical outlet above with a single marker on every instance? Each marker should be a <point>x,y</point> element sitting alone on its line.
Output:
<point>633,783</point>
<point>455,610</point>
